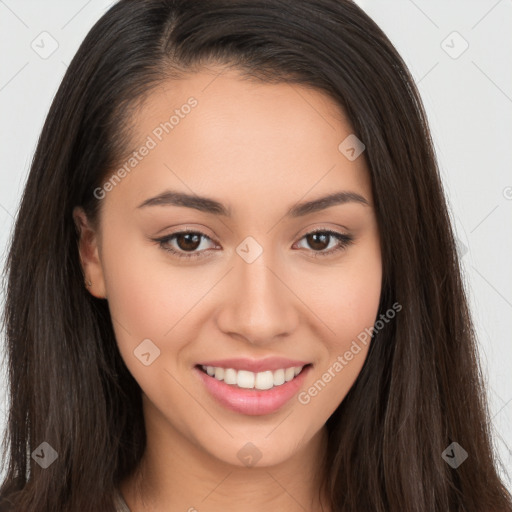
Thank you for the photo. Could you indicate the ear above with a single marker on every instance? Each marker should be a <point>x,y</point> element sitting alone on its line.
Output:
<point>88,248</point>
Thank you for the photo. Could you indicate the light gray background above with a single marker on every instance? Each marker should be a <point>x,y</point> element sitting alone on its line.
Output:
<point>468,98</point>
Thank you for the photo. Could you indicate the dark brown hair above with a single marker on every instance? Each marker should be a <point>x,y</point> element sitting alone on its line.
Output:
<point>420,387</point>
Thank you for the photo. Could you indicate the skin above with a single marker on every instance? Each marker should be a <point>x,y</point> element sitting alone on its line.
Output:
<point>259,149</point>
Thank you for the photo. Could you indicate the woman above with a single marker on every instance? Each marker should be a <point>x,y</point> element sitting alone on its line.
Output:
<point>233,280</point>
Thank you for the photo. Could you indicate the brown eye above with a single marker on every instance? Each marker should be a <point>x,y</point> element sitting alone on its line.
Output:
<point>184,244</point>
<point>318,241</point>
<point>188,241</point>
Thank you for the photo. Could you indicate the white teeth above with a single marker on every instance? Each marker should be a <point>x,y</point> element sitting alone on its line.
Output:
<point>289,374</point>
<point>278,377</point>
<point>264,380</point>
<point>250,380</point>
<point>230,376</point>
<point>245,379</point>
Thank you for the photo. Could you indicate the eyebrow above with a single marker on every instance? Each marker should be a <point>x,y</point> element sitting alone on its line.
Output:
<point>208,205</point>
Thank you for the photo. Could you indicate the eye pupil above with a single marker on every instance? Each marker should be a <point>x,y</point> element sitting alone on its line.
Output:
<point>188,236</point>
<point>313,240</point>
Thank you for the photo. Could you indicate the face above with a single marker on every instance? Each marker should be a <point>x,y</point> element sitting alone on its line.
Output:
<point>261,283</point>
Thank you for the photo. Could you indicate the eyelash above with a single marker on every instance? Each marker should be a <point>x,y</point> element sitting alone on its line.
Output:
<point>345,241</point>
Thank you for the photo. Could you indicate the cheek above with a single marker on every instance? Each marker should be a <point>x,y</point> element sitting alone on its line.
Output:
<point>350,302</point>
<point>133,301</point>
<point>347,297</point>
<point>146,295</point>
<point>149,299</point>
<point>142,303</point>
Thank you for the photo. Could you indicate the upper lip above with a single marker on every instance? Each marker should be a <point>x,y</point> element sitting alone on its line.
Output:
<point>255,365</point>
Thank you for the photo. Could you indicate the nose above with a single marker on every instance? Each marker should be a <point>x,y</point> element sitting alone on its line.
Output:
<point>260,306</point>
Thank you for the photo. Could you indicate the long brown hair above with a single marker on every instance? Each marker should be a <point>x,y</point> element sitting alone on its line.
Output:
<point>420,388</point>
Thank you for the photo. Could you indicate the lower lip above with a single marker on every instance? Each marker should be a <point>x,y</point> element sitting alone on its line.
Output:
<point>252,402</point>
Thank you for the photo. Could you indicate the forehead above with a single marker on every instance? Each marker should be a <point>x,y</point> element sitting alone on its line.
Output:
<point>218,133</point>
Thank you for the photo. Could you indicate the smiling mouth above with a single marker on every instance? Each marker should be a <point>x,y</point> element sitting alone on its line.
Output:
<point>245,379</point>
